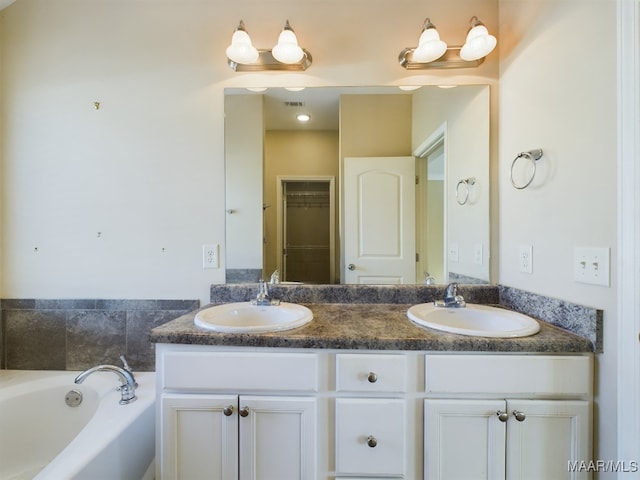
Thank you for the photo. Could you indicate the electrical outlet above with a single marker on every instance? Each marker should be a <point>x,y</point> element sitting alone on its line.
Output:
<point>477,254</point>
<point>591,265</point>
<point>525,258</point>
<point>453,253</point>
<point>210,255</point>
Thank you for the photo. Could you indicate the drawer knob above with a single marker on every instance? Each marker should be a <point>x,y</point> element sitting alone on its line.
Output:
<point>228,410</point>
<point>372,377</point>
<point>502,416</point>
<point>520,416</point>
<point>371,441</point>
<point>244,411</point>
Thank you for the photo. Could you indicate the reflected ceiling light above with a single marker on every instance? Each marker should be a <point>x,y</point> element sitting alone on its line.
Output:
<point>286,55</point>
<point>447,86</point>
<point>432,52</point>
<point>241,49</point>
<point>303,117</point>
<point>256,89</point>
<point>408,88</point>
<point>430,47</point>
<point>294,89</point>
<point>479,43</point>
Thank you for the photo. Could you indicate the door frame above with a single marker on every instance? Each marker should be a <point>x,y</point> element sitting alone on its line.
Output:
<point>628,202</point>
<point>427,147</point>
<point>280,180</point>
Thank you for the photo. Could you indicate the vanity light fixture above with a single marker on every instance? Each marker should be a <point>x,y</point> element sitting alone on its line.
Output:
<point>286,54</point>
<point>432,53</point>
<point>479,43</point>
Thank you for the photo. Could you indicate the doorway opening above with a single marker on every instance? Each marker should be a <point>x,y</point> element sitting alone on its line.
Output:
<point>431,208</point>
<point>306,229</point>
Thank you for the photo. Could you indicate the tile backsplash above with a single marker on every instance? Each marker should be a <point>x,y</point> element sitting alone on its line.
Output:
<point>43,334</point>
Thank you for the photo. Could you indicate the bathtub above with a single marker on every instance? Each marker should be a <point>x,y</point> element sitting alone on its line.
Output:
<point>42,437</point>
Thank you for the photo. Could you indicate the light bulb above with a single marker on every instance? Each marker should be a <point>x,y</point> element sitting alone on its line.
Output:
<point>430,47</point>
<point>287,50</point>
<point>479,43</point>
<point>241,49</point>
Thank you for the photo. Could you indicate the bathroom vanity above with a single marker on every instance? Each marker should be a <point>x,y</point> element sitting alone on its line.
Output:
<point>362,393</point>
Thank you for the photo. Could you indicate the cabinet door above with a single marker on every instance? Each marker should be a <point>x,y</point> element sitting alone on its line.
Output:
<point>464,439</point>
<point>370,436</point>
<point>277,438</point>
<point>546,437</point>
<point>199,437</point>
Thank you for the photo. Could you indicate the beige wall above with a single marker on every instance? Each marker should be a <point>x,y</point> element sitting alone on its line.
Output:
<point>551,98</point>
<point>294,153</point>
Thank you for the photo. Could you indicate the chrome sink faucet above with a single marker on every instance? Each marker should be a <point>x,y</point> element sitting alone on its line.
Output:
<point>451,297</point>
<point>128,382</point>
<point>262,299</point>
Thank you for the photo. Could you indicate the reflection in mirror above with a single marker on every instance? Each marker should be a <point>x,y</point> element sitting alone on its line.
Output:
<point>380,185</point>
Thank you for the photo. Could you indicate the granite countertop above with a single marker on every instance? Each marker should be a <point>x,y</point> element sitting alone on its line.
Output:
<point>370,327</point>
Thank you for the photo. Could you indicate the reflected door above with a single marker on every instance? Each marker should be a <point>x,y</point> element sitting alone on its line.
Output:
<point>379,220</point>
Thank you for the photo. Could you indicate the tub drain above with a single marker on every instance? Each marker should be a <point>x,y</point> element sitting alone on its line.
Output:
<point>73,398</point>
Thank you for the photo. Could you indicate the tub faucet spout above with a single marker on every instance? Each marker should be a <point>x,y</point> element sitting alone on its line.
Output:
<point>128,383</point>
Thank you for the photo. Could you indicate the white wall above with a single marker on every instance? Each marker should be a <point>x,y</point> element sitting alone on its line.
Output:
<point>466,114</point>
<point>147,169</point>
<point>558,93</point>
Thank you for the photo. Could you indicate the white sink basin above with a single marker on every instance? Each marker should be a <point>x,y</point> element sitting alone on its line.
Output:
<point>243,317</point>
<point>475,320</point>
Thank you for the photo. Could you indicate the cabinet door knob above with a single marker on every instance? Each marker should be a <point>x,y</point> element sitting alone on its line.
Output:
<point>520,416</point>
<point>371,441</point>
<point>351,267</point>
<point>502,416</point>
<point>244,411</point>
<point>228,410</point>
<point>372,377</point>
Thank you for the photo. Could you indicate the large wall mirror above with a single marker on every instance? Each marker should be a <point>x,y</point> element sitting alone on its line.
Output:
<point>379,185</point>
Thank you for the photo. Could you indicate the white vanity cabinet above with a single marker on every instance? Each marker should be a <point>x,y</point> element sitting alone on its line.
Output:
<point>507,417</point>
<point>370,414</point>
<point>245,413</point>
<point>227,436</point>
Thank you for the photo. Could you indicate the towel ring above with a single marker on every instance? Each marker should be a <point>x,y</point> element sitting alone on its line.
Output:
<point>463,198</point>
<point>533,156</point>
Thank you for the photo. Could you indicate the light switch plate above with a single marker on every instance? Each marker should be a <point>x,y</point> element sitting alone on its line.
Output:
<point>592,265</point>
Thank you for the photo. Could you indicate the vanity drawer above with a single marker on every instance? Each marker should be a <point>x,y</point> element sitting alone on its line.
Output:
<point>236,371</point>
<point>371,373</point>
<point>523,375</point>
<point>370,436</point>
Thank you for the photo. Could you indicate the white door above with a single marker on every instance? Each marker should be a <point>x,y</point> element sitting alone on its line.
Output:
<point>548,439</point>
<point>464,439</point>
<point>379,220</point>
<point>277,438</point>
<point>199,437</point>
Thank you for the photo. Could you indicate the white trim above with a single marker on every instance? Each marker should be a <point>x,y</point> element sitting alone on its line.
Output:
<point>628,314</point>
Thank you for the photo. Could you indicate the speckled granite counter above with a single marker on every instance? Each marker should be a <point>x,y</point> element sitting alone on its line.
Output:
<point>370,327</point>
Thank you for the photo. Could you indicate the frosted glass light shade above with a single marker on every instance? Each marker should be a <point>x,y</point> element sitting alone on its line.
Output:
<point>479,43</point>
<point>287,50</point>
<point>430,47</point>
<point>241,49</point>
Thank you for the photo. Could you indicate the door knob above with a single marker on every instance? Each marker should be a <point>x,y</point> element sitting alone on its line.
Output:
<point>244,411</point>
<point>520,416</point>
<point>351,267</point>
<point>372,377</point>
<point>371,441</point>
<point>502,416</point>
<point>228,410</point>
